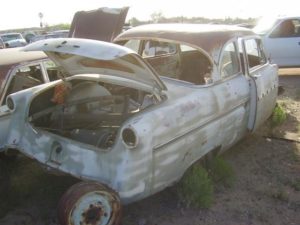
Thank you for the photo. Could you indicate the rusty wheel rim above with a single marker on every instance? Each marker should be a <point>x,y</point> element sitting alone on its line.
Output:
<point>94,208</point>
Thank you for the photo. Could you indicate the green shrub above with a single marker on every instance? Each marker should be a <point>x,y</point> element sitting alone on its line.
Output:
<point>281,195</point>
<point>221,172</point>
<point>279,115</point>
<point>296,185</point>
<point>196,188</point>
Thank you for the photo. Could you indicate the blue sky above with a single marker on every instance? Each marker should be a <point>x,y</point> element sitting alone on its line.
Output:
<point>20,13</point>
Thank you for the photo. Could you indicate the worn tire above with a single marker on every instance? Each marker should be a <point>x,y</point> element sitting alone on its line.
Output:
<point>88,203</point>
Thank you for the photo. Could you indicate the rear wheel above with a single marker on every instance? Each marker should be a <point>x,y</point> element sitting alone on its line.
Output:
<point>89,203</point>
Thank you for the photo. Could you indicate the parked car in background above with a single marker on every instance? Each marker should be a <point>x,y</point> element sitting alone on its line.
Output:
<point>61,33</point>
<point>12,40</point>
<point>130,123</point>
<point>42,37</point>
<point>18,71</point>
<point>281,39</point>
<point>2,45</point>
<point>53,34</point>
<point>29,35</point>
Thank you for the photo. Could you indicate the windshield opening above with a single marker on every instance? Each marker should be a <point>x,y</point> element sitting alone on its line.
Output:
<point>9,37</point>
<point>264,25</point>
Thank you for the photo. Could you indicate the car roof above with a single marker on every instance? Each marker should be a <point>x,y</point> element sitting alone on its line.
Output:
<point>267,23</point>
<point>15,55</point>
<point>287,16</point>
<point>60,31</point>
<point>4,34</point>
<point>203,36</point>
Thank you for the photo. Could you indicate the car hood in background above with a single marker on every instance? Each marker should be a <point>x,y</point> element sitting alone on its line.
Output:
<point>103,24</point>
<point>84,56</point>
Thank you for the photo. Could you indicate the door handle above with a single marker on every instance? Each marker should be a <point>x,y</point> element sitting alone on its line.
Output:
<point>256,75</point>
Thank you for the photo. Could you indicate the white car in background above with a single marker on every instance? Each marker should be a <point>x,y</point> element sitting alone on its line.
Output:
<point>53,34</point>
<point>2,45</point>
<point>281,39</point>
<point>12,40</point>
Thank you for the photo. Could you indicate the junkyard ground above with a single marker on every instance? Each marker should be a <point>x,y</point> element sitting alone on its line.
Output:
<point>266,189</point>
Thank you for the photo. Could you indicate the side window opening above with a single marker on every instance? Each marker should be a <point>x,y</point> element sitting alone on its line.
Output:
<point>164,57</point>
<point>286,29</point>
<point>25,77</point>
<point>297,27</point>
<point>176,61</point>
<point>196,67</point>
<point>254,53</point>
<point>229,63</point>
<point>133,45</point>
<point>52,70</point>
<point>157,48</point>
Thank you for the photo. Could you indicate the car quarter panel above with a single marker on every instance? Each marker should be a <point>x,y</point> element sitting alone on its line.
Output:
<point>194,121</point>
<point>121,169</point>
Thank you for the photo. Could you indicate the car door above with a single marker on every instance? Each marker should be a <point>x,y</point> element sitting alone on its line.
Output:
<point>263,78</point>
<point>19,78</point>
<point>282,44</point>
<point>232,93</point>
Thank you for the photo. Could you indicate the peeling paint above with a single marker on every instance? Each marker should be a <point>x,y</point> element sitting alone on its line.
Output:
<point>174,127</point>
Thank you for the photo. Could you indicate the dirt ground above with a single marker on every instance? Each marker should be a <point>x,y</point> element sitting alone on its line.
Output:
<point>266,189</point>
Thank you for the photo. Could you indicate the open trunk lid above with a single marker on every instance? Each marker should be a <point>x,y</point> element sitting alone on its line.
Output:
<point>83,56</point>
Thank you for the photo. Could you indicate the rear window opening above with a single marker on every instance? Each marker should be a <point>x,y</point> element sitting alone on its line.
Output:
<point>174,60</point>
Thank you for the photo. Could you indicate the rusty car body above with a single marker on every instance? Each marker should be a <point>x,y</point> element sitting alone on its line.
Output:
<point>129,124</point>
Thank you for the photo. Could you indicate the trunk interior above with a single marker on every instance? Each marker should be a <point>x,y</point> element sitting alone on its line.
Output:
<point>87,111</point>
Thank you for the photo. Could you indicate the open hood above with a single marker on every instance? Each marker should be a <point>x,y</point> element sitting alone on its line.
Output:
<point>84,56</point>
<point>103,24</point>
